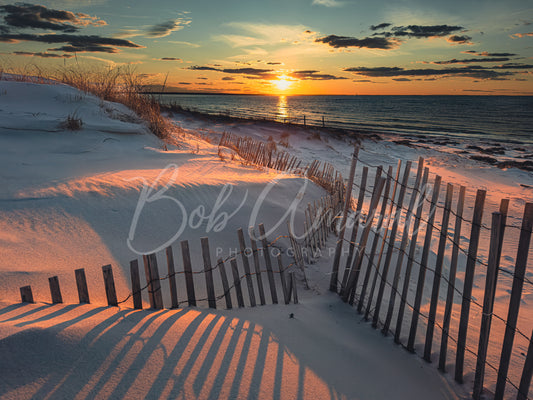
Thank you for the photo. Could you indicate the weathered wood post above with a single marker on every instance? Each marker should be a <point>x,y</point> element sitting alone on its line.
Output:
<point>208,270</point>
<point>468,282</point>
<point>268,262</point>
<point>26,295</point>
<point>225,284</point>
<point>423,266</point>
<point>187,267</point>
<point>514,303</point>
<point>257,267</point>
<point>136,285</point>
<point>172,278</point>
<point>527,372</point>
<point>496,233</point>
<point>55,291</point>
<point>109,283</point>
<point>338,250</point>
<point>438,272</point>
<point>451,280</point>
<point>246,266</point>
<point>81,284</point>
<point>237,282</point>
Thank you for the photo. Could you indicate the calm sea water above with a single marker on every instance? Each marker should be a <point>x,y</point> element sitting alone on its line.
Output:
<point>506,119</point>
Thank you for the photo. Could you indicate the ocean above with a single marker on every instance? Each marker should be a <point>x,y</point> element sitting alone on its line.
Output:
<point>501,119</point>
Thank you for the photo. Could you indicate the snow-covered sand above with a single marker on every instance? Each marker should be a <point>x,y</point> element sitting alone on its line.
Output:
<point>68,200</point>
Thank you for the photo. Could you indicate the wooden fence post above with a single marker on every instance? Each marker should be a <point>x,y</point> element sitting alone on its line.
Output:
<point>375,242</point>
<point>362,245</point>
<point>438,272</point>
<point>355,228</point>
<point>136,285</point>
<point>237,282</point>
<point>403,245</point>
<point>527,372</point>
<point>172,278</point>
<point>411,256</point>
<point>338,250</point>
<point>26,295</point>
<point>246,266</point>
<point>81,284</point>
<point>423,266</point>
<point>496,233</point>
<point>257,267</point>
<point>109,283</point>
<point>468,282</point>
<point>225,285</point>
<point>293,288</point>
<point>390,248</point>
<point>270,273</point>
<point>208,270</point>
<point>451,280</point>
<point>156,283</point>
<point>514,302</point>
<point>187,268</point>
<point>286,295</point>
<point>149,284</point>
<point>55,291</point>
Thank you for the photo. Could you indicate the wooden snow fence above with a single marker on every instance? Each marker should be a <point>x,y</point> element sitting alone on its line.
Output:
<point>392,280</point>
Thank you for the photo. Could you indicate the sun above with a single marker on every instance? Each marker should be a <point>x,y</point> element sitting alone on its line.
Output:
<point>283,82</point>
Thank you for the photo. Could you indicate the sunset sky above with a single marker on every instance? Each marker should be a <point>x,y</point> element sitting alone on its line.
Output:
<point>283,47</point>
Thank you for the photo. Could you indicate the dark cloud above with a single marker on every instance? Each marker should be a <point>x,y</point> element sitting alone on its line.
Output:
<point>170,59</point>
<point>380,26</point>
<point>469,60</point>
<point>514,66</point>
<point>184,83</point>
<point>228,78</point>
<point>314,75</point>
<point>423,31</point>
<point>477,72</point>
<point>166,28</point>
<point>274,63</point>
<point>42,55</point>
<point>76,43</point>
<point>346,41</point>
<point>487,54</point>
<point>401,79</point>
<point>255,72</point>
<point>22,15</point>
<point>203,78</point>
<point>459,39</point>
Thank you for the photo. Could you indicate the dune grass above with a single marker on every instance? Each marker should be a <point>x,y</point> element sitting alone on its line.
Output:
<point>119,84</point>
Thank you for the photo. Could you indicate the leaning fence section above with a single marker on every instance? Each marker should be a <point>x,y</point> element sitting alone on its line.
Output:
<point>404,279</point>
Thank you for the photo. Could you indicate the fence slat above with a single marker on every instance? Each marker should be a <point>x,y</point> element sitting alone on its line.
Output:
<point>438,272</point>
<point>237,282</point>
<point>451,280</point>
<point>355,228</point>
<point>26,295</point>
<point>136,285</point>
<point>388,258</point>
<point>81,284</point>
<point>338,249</point>
<point>55,291</point>
<point>468,282</point>
<point>109,284</point>
<point>268,262</point>
<point>373,249</point>
<point>187,267</point>
<point>496,233</point>
<point>156,282</point>
<point>527,372</point>
<point>411,256</point>
<point>362,244</point>
<point>149,284</point>
<point>225,285</point>
<point>423,266</point>
<point>403,244</point>
<point>246,265</point>
<point>257,267</point>
<point>172,278</point>
<point>208,271</point>
<point>293,288</point>
<point>516,295</point>
<point>286,295</point>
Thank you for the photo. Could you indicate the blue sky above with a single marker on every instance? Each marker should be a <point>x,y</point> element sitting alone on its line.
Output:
<point>291,46</point>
